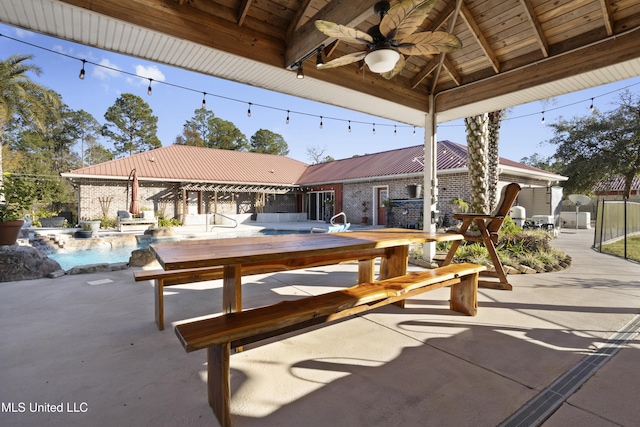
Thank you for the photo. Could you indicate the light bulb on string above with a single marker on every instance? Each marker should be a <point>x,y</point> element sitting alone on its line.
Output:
<point>414,131</point>
<point>204,101</point>
<point>287,121</point>
<point>374,128</point>
<point>349,128</point>
<point>249,110</point>
<point>81,76</point>
<point>320,122</point>
<point>149,88</point>
<point>395,130</point>
<point>592,107</point>
<point>542,117</point>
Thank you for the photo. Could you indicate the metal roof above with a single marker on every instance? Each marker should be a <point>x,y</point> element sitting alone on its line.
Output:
<point>181,163</point>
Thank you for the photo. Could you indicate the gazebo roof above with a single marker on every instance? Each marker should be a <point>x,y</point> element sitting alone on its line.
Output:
<point>513,52</point>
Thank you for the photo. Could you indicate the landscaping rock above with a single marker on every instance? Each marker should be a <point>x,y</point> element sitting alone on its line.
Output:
<point>526,270</point>
<point>142,257</point>
<point>24,263</point>
<point>162,231</point>
<point>89,268</point>
<point>510,270</point>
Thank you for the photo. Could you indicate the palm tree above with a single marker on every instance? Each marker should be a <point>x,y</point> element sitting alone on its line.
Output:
<point>477,147</point>
<point>21,98</point>
<point>493,164</point>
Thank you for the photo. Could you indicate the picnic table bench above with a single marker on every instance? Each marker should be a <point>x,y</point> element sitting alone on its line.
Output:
<point>163,278</point>
<point>222,333</point>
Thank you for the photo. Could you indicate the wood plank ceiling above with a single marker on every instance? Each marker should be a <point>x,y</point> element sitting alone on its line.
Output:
<point>510,47</point>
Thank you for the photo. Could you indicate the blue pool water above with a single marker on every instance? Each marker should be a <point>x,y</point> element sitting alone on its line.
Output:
<point>99,255</point>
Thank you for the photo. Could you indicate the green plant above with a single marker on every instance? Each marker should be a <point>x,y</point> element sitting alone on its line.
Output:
<point>459,204</point>
<point>108,223</point>
<point>17,197</point>
<point>168,222</point>
<point>85,226</point>
<point>509,227</point>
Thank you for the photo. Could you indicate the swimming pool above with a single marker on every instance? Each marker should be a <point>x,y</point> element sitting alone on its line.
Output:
<point>107,254</point>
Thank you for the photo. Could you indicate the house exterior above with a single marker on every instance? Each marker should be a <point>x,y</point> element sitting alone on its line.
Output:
<point>203,185</point>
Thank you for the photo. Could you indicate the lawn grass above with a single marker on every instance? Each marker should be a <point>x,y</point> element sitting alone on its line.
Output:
<point>617,248</point>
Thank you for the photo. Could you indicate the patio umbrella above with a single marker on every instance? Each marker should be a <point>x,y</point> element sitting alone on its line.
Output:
<point>134,208</point>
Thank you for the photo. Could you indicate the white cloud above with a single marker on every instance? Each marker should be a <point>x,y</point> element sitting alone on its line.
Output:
<point>103,73</point>
<point>151,72</point>
<point>23,34</point>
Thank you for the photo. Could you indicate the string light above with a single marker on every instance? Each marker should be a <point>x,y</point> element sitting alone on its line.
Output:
<point>287,121</point>
<point>151,81</point>
<point>395,131</point>
<point>414,131</point>
<point>543,117</point>
<point>204,101</point>
<point>320,122</point>
<point>82,71</point>
<point>592,107</point>
<point>374,128</point>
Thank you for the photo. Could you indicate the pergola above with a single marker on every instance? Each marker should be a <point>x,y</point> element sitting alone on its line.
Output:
<point>514,51</point>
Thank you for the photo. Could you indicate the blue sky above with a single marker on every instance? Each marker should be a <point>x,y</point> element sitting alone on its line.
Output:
<point>522,133</point>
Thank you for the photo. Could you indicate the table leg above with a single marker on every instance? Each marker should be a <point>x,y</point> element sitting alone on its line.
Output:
<point>395,264</point>
<point>365,271</point>
<point>231,288</point>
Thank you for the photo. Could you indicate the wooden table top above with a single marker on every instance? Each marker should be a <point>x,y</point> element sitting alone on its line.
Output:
<point>212,252</point>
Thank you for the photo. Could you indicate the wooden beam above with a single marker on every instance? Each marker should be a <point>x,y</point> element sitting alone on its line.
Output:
<point>428,69</point>
<point>537,28</point>
<point>619,49</point>
<point>452,25</point>
<point>453,72</point>
<point>242,12</point>
<point>193,25</point>
<point>442,17</point>
<point>477,34</point>
<point>607,16</point>
<point>293,25</point>
<point>307,37</point>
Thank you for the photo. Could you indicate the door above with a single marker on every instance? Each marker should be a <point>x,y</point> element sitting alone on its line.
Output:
<point>193,202</point>
<point>382,194</point>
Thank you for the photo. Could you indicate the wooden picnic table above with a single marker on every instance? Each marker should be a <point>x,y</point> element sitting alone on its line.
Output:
<point>295,251</point>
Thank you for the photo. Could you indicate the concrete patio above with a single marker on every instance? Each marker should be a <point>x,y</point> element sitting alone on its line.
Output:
<point>88,345</point>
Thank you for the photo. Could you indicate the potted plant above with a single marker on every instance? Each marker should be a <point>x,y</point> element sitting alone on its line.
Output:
<point>365,208</point>
<point>388,205</point>
<point>459,206</point>
<point>16,197</point>
<point>86,230</point>
<point>91,224</point>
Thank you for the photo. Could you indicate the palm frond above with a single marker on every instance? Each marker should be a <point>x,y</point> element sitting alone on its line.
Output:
<point>405,17</point>
<point>429,43</point>
<point>344,60</point>
<point>343,32</point>
<point>396,70</point>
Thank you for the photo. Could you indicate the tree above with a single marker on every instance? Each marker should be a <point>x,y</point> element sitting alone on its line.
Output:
<point>88,130</point>
<point>131,125</point>
<point>493,157</point>
<point>21,98</point>
<point>206,130</point>
<point>46,152</point>
<point>316,155</point>
<point>540,162</point>
<point>477,147</point>
<point>600,146</point>
<point>267,142</point>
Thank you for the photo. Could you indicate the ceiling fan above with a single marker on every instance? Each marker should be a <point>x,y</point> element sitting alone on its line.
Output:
<point>394,37</point>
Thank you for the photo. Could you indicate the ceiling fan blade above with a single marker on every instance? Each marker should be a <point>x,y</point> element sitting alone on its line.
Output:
<point>396,70</point>
<point>344,33</point>
<point>429,43</point>
<point>405,17</point>
<point>344,60</point>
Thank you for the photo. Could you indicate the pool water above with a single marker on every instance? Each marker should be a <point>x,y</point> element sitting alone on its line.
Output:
<point>107,254</point>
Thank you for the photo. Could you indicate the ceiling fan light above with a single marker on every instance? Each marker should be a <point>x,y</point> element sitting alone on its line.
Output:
<point>382,60</point>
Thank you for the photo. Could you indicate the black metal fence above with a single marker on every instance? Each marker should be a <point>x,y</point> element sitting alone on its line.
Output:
<point>616,220</point>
